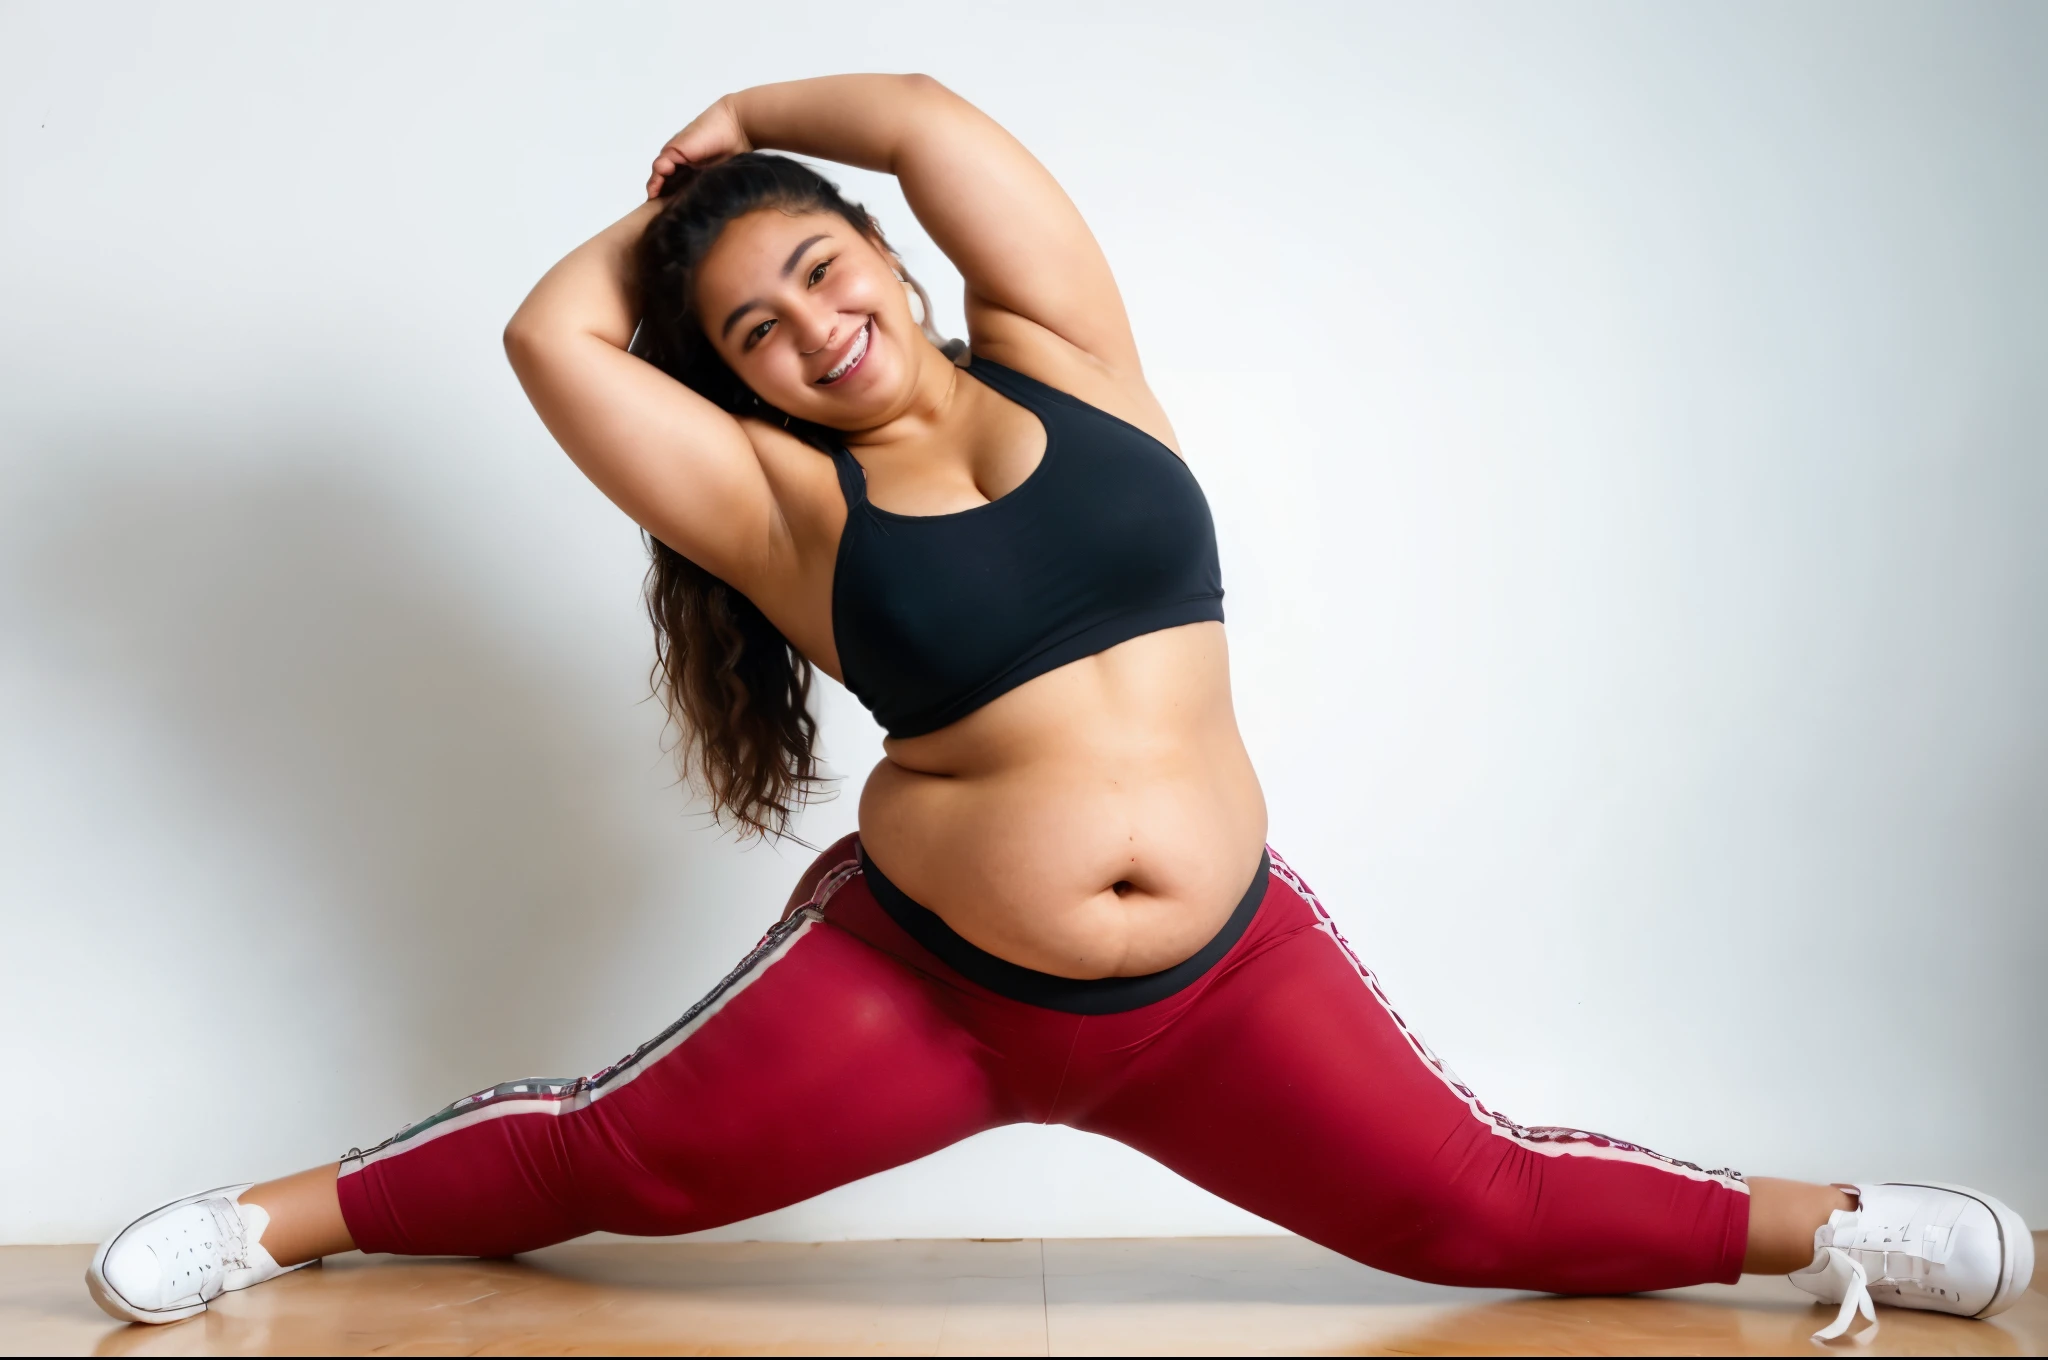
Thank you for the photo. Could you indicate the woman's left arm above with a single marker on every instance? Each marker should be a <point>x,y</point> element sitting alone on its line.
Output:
<point>1018,241</point>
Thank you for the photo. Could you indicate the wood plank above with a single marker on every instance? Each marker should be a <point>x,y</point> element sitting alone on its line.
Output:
<point>1163,1296</point>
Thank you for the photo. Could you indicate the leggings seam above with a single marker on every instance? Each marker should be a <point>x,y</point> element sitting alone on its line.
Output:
<point>569,1097</point>
<point>1541,1139</point>
<point>1060,1087</point>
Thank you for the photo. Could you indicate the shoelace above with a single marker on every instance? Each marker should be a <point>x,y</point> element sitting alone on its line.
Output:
<point>234,1234</point>
<point>1855,1299</point>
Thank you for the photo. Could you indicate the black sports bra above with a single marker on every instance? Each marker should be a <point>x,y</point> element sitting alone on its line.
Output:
<point>1107,539</point>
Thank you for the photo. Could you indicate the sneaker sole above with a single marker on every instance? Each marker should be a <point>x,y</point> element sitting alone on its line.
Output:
<point>109,1299</point>
<point>2016,1247</point>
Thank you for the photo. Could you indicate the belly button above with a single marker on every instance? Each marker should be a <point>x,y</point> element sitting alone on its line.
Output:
<point>1120,887</point>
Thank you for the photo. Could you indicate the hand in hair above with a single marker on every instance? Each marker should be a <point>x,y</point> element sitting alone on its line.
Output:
<point>712,136</point>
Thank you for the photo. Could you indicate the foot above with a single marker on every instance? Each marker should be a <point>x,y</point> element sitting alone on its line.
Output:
<point>173,1261</point>
<point>1931,1246</point>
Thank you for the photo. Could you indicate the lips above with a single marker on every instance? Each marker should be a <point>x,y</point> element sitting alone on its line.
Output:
<point>855,352</point>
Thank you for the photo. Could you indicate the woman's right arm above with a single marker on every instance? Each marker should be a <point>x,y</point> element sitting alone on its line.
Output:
<point>685,470</point>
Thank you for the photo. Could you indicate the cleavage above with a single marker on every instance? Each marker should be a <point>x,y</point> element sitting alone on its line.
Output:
<point>1006,448</point>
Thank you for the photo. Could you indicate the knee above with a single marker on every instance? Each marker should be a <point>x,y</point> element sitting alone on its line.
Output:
<point>1458,1231</point>
<point>645,1195</point>
<point>649,1211</point>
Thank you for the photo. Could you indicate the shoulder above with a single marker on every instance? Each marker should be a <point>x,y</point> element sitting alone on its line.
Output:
<point>1118,388</point>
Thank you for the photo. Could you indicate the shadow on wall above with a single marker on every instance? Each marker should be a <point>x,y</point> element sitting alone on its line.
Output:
<point>301,654</point>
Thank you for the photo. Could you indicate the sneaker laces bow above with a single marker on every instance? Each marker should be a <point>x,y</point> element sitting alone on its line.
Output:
<point>1855,1297</point>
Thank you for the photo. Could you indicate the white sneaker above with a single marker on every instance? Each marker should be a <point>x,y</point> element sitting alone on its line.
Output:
<point>173,1261</point>
<point>1938,1247</point>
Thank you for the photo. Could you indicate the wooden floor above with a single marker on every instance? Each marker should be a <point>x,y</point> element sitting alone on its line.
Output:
<point>1170,1296</point>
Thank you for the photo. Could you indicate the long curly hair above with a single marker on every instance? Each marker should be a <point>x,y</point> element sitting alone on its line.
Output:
<point>728,678</point>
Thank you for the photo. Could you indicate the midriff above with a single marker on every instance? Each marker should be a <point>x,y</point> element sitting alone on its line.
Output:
<point>1101,820</point>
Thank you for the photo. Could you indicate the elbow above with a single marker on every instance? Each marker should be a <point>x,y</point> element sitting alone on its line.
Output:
<point>922,105</point>
<point>924,88</point>
<point>522,339</point>
<point>527,349</point>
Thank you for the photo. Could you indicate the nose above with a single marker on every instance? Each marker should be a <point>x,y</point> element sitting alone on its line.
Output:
<point>814,328</point>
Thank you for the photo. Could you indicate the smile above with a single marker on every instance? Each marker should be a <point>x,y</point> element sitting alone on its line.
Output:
<point>855,352</point>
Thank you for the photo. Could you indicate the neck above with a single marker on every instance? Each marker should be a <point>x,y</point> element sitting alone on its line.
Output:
<point>927,406</point>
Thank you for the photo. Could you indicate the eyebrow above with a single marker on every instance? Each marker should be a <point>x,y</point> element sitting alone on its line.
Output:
<point>788,267</point>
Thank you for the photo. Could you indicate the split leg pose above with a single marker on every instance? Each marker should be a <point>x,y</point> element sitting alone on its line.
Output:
<point>1060,906</point>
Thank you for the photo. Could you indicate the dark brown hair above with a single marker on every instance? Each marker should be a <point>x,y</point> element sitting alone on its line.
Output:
<point>733,684</point>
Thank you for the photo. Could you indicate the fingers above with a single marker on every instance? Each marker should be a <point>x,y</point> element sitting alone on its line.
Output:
<point>704,142</point>
<point>665,165</point>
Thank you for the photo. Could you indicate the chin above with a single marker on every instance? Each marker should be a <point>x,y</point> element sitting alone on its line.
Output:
<point>858,405</point>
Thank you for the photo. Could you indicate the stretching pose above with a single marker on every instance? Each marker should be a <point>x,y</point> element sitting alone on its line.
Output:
<point>1060,906</point>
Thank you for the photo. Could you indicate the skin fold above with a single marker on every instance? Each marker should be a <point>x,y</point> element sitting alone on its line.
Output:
<point>1100,820</point>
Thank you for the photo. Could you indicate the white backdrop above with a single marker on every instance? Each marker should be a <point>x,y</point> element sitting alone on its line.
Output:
<point>1625,424</point>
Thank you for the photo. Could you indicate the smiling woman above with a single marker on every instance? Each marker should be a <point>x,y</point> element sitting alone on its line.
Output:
<point>756,761</point>
<point>1002,554</point>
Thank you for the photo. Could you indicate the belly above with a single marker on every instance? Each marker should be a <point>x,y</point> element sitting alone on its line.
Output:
<point>1100,821</point>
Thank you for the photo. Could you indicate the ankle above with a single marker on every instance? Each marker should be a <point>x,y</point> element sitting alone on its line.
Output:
<point>1783,1217</point>
<point>302,1216</point>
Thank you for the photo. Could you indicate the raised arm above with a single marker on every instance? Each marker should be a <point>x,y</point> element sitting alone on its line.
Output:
<point>681,467</point>
<point>1018,241</point>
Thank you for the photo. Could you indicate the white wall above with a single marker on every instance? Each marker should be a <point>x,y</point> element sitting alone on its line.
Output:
<point>1627,432</point>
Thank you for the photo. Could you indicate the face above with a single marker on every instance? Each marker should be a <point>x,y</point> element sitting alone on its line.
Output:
<point>810,315</point>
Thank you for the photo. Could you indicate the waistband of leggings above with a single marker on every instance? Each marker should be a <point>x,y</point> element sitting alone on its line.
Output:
<point>1076,996</point>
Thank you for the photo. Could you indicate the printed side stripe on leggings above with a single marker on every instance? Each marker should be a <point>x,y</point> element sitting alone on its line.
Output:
<point>1547,1140</point>
<point>566,1095</point>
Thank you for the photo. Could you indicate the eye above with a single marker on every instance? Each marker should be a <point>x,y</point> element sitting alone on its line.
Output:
<point>818,274</point>
<point>759,333</point>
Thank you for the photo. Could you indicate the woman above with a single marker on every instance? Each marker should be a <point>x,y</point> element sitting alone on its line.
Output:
<point>1059,906</point>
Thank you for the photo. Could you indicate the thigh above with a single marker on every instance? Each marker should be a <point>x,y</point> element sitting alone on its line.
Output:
<point>817,1061</point>
<point>1292,1088</point>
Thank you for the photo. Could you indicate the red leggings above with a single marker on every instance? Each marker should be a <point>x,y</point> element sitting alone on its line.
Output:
<point>1280,1079</point>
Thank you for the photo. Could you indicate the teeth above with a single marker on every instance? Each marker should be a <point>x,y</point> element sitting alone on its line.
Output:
<point>853,356</point>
